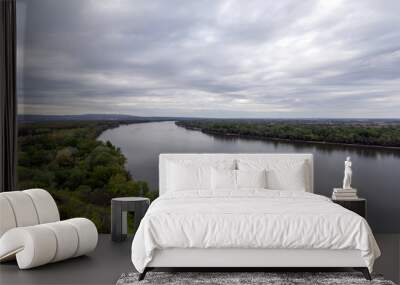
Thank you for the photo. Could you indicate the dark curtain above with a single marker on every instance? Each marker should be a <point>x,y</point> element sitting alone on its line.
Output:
<point>8,100</point>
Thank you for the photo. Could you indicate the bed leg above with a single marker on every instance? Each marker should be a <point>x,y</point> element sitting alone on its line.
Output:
<point>365,272</point>
<point>142,275</point>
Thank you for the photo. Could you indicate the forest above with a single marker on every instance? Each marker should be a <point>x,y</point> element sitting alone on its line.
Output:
<point>80,172</point>
<point>83,173</point>
<point>368,134</point>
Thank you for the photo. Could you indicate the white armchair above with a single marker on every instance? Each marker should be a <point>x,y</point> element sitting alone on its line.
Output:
<point>31,230</point>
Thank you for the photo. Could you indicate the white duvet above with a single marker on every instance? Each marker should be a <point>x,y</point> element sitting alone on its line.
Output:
<point>250,219</point>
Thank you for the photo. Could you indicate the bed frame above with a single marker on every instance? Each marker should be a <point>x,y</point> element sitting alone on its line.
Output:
<point>236,259</point>
<point>256,259</point>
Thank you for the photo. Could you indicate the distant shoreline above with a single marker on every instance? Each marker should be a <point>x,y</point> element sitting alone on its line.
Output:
<point>118,123</point>
<point>286,140</point>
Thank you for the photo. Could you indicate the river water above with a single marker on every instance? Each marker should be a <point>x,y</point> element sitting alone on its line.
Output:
<point>376,172</point>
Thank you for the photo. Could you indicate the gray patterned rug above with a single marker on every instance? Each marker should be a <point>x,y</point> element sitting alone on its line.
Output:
<point>228,278</point>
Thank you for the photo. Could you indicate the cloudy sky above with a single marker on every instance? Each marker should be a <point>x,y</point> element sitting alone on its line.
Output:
<point>210,58</point>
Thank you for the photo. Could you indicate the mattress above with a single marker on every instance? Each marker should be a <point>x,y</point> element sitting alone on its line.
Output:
<point>253,219</point>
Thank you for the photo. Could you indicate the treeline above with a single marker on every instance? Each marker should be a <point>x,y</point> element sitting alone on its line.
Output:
<point>80,172</point>
<point>369,135</point>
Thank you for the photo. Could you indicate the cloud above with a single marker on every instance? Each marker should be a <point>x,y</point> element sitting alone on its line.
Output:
<point>210,58</point>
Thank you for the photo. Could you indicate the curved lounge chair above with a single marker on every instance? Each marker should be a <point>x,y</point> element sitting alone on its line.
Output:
<point>31,230</point>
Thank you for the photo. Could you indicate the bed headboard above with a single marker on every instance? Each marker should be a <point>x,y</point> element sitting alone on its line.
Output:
<point>210,157</point>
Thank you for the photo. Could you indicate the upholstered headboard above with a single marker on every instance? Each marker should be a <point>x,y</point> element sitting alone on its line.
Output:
<point>215,157</point>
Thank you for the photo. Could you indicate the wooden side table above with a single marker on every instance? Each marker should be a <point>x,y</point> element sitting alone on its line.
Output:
<point>119,208</point>
<point>358,205</point>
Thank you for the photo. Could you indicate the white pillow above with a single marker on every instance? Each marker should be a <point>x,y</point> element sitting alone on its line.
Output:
<point>290,175</point>
<point>223,179</point>
<point>188,177</point>
<point>251,178</point>
<point>282,174</point>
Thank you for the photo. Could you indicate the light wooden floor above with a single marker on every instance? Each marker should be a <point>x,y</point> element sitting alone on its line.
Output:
<point>110,260</point>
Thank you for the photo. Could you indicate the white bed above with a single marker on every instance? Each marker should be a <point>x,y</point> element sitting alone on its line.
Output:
<point>226,226</point>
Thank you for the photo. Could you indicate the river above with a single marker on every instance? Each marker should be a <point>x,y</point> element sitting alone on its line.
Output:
<point>376,172</point>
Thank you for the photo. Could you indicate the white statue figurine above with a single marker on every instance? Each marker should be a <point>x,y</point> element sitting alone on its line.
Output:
<point>347,174</point>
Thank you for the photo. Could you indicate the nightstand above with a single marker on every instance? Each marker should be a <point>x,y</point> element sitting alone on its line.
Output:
<point>358,206</point>
<point>119,208</point>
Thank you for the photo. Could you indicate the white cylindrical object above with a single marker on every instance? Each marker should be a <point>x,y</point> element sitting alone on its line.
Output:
<point>87,234</point>
<point>23,207</point>
<point>33,246</point>
<point>45,205</point>
<point>67,239</point>
<point>7,218</point>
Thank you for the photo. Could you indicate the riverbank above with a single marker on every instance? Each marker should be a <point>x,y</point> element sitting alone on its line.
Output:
<point>81,172</point>
<point>248,135</point>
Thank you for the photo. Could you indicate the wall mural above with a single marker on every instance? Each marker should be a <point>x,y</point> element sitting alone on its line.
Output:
<point>105,86</point>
